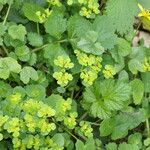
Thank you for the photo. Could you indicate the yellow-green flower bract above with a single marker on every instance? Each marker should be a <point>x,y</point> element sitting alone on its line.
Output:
<point>15,98</point>
<point>70,121</point>
<point>91,66</point>
<point>62,76</point>
<point>63,62</point>
<point>86,128</point>
<point>109,71</point>
<point>42,16</point>
<point>146,64</point>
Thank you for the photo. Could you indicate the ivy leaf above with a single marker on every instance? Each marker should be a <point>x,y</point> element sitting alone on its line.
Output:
<point>121,14</point>
<point>105,97</point>
<point>137,91</point>
<point>30,10</point>
<point>28,73</point>
<point>89,43</point>
<point>35,39</point>
<point>17,32</point>
<point>55,25</point>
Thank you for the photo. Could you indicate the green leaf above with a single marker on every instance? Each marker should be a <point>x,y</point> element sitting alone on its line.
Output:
<point>137,91</point>
<point>23,53</point>
<point>124,47</point>
<point>8,65</point>
<point>125,146</point>
<point>17,32</point>
<point>111,146</point>
<point>135,66</point>
<point>36,91</point>
<point>35,39</point>
<point>136,138</point>
<point>28,73</point>
<point>89,145</point>
<point>105,32</point>
<point>121,14</point>
<point>105,97</point>
<point>146,79</point>
<point>5,89</point>
<point>55,25</point>
<point>59,139</point>
<point>30,10</point>
<point>78,26</point>
<point>89,43</point>
<point>147,142</point>
<point>107,126</point>
<point>2,29</point>
<point>122,123</point>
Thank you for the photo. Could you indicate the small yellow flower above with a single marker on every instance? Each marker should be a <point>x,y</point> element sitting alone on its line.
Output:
<point>144,12</point>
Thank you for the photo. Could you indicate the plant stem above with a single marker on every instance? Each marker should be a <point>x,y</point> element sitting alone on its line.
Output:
<point>147,127</point>
<point>83,116</point>
<point>5,49</point>
<point>38,29</point>
<point>63,128</point>
<point>39,48</point>
<point>8,10</point>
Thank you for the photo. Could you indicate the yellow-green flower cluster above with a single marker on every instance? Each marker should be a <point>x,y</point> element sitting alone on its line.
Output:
<point>146,64</point>
<point>54,2</point>
<point>86,128</point>
<point>91,65</point>
<point>46,127</point>
<point>15,98</point>
<point>35,142</point>
<point>63,62</point>
<point>45,111</point>
<point>30,122</point>
<point>13,126</point>
<point>70,121</point>
<point>109,71</point>
<point>36,117</point>
<point>66,105</point>
<point>62,76</point>
<point>42,16</point>
<point>3,119</point>
<point>89,8</point>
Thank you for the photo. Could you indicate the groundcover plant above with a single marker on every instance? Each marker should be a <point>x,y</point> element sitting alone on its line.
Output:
<point>71,77</point>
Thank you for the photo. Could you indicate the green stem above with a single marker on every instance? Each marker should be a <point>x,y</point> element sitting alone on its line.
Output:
<point>8,10</point>
<point>5,49</point>
<point>39,48</point>
<point>83,116</point>
<point>63,128</point>
<point>147,127</point>
<point>38,29</point>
